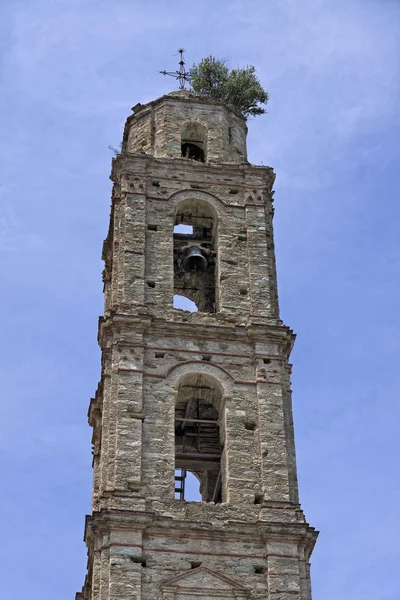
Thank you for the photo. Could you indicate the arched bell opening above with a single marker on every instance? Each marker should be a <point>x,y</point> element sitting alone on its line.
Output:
<point>199,437</point>
<point>194,254</point>
<point>194,141</point>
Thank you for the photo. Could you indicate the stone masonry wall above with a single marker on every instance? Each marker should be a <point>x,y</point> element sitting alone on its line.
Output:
<point>147,193</point>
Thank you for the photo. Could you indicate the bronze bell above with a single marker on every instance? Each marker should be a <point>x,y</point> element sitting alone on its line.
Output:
<point>194,260</point>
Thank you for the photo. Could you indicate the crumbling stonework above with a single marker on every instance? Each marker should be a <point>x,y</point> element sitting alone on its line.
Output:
<point>208,391</point>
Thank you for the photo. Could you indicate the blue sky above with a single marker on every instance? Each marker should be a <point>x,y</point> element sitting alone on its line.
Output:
<point>70,70</point>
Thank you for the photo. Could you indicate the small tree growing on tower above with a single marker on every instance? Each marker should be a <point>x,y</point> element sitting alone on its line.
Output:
<point>239,87</point>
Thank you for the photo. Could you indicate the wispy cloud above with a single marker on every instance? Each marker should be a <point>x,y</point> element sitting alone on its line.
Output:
<point>63,53</point>
<point>12,236</point>
<point>333,73</point>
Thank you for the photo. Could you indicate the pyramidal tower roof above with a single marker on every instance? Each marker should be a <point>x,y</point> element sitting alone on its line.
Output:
<point>189,96</point>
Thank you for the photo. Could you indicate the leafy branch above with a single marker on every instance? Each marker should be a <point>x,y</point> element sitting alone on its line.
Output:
<point>240,88</point>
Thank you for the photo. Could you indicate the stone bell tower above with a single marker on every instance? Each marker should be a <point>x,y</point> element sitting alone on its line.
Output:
<point>204,392</point>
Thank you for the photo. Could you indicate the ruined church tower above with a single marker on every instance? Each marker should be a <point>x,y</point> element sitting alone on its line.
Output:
<point>204,392</point>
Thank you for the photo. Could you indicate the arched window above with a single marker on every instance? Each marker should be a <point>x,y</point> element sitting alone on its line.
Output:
<point>195,234</point>
<point>199,436</point>
<point>194,141</point>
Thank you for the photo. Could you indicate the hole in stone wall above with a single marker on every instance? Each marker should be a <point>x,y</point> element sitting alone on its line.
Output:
<point>159,354</point>
<point>138,560</point>
<point>258,498</point>
<point>233,191</point>
<point>243,291</point>
<point>259,569</point>
<point>152,227</point>
<point>206,357</point>
<point>250,426</point>
<point>155,183</point>
<point>242,237</point>
<point>266,361</point>
<point>195,565</point>
<point>151,283</point>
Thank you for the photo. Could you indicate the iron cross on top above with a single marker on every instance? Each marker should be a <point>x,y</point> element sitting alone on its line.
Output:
<point>180,75</point>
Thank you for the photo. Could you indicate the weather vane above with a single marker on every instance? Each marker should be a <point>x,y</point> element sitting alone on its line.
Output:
<point>182,75</point>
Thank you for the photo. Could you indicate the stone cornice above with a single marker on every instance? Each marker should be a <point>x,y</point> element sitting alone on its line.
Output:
<point>125,160</point>
<point>202,326</point>
<point>109,519</point>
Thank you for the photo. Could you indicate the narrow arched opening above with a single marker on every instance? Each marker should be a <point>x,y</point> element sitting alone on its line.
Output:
<point>194,141</point>
<point>199,437</point>
<point>194,238</point>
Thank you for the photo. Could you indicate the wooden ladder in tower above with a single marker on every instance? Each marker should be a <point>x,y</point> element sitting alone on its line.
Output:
<point>180,483</point>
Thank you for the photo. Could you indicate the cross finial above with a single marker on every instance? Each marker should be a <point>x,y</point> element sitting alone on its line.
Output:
<point>181,75</point>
